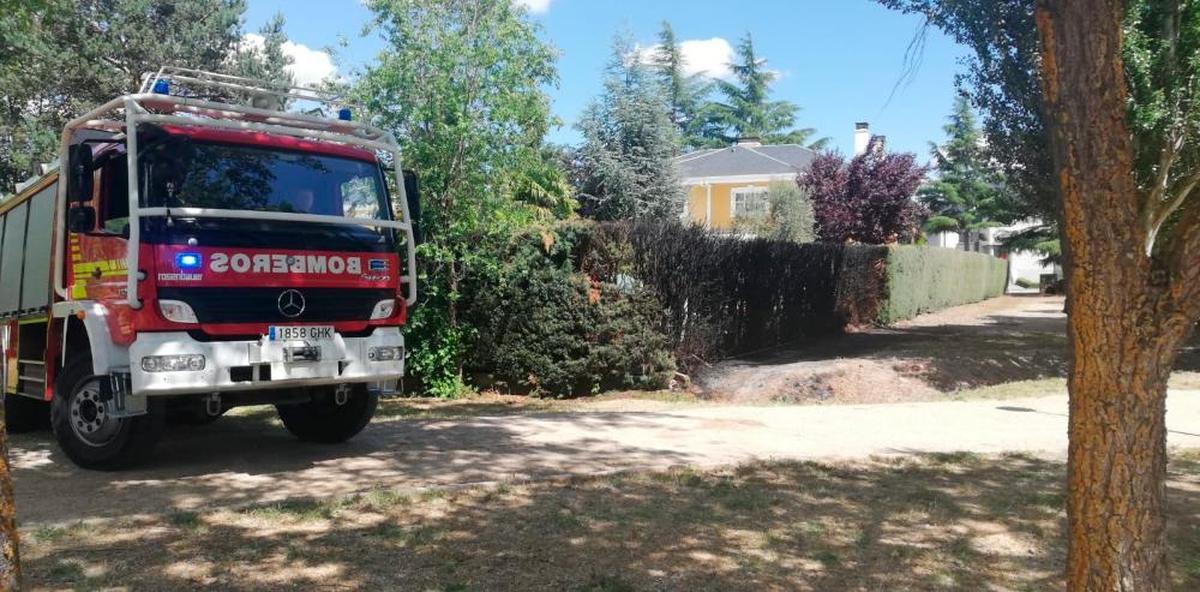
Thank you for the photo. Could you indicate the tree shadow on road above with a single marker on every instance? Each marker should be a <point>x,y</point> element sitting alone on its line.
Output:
<point>242,460</point>
<point>945,521</point>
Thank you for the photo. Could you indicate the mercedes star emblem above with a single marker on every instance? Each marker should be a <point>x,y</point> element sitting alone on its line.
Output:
<point>291,303</point>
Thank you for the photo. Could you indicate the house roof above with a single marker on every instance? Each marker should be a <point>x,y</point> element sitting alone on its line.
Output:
<point>742,159</point>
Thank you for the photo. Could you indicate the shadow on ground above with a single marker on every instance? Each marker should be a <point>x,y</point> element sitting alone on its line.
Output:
<point>240,460</point>
<point>950,521</point>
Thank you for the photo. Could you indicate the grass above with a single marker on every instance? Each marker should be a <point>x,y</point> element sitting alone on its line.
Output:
<point>946,521</point>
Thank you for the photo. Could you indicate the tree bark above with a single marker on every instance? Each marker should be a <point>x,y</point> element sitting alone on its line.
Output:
<point>10,563</point>
<point>1123,331</point>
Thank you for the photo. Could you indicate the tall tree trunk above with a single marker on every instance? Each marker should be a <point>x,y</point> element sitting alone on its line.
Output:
<point>1124,333</point>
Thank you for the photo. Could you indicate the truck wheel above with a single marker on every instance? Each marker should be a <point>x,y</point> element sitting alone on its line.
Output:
<point>25,414</point>
<point>323,420</point>
<point>86,429</point>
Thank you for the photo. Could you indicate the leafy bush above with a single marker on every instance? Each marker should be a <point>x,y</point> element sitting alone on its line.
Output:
<point>543,327</point>
<point>925,279</point>
<point>789,217</point>
<point>866,200</point>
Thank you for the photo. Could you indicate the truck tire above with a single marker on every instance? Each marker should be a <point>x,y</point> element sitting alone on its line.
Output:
<point>25,414</point>
<point>91,437</point>
<point>322,420</point>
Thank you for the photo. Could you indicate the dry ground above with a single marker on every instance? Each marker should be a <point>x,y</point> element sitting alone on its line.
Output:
<point>928,522</point>
<point>514,493</point>
<point>959,352</point>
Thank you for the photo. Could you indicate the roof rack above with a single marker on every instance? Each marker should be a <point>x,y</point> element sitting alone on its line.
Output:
<point>169,96</point>
<point>258,89</point>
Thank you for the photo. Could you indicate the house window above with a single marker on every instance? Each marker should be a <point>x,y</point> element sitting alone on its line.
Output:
<point>750,202</point>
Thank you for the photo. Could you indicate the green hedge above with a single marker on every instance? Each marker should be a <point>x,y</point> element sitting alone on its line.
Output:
<point>581,307</point>
<point>927,279</point>
<point>542,326</point>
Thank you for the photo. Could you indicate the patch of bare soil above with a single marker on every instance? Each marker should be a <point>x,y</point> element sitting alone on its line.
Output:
<point>929,522</point>
<point>998,341</point>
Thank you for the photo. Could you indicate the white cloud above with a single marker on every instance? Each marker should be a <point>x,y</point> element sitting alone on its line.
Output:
<point>309,66</point>
<point>534,6</point>
<point>709,57</point>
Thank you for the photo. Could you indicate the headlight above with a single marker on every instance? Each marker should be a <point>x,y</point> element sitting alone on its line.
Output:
<point>383,309</point>
<point>386,353</point>
<point>176,311</point>
<point>179,363</point>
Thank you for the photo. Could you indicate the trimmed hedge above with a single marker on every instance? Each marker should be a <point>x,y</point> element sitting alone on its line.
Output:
<point>724,295</point>
<point>581,306</point>
<point>927,279</point>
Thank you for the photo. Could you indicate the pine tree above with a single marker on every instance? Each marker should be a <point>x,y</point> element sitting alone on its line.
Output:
<point>969,194</point>
<point>748,110</point>
<point>629,143</point>
<point>684,93</point>
<point>266,62</point>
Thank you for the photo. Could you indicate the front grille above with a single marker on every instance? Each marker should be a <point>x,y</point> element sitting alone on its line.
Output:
<point>261,305</point>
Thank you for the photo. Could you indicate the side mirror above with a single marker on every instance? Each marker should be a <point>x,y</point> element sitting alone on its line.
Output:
<point>79,173</point>
<point>412,192</point>
<point>81,219</point>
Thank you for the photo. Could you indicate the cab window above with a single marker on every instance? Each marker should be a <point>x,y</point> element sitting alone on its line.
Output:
<point>114,206</point>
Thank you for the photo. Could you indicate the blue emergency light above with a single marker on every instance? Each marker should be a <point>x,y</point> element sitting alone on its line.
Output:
<point>187,260</point>
<point>344,114</point>
<point>162,87</point>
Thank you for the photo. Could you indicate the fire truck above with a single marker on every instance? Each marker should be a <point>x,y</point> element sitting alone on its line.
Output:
<point>208,242</point>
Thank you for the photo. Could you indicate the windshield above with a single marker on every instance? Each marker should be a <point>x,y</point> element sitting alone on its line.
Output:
<point>192,174</point>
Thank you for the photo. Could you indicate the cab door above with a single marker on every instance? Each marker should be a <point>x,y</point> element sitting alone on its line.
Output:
<point>98,268</point>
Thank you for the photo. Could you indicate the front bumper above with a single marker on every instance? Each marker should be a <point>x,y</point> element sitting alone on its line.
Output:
<point>252,365</point>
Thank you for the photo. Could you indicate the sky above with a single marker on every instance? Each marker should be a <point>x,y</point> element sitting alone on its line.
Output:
<point>839,60</point>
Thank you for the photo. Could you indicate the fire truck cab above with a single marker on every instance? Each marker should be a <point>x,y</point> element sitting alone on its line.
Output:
<point>200,247</point>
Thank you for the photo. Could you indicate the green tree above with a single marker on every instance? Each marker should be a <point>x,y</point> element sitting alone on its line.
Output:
<point>684,93</point>
<point>266,62</point>
<point>748,111</point>
<point>460,84</point>
<point>61,58</point>
<point>629,143</point>
<point>968,193</point>
<point>1001,80</point>
<point>1105,88</point>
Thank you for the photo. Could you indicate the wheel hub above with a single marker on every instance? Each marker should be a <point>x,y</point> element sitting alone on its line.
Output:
<point>91,419</point>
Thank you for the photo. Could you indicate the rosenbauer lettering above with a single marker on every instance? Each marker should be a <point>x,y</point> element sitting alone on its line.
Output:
<point>281,263</point>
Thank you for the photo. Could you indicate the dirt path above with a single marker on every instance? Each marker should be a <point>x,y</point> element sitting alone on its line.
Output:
<point>243,460</point>
<point>248,460</point>
<point>1013,338</point>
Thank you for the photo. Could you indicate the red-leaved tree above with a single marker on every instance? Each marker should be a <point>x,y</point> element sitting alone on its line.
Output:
<point>868,199</point>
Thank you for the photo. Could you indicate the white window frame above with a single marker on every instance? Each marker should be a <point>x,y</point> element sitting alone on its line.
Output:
<point>750,190</point>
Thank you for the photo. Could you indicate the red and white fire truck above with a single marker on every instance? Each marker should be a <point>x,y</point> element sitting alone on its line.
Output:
<point>200,246</point>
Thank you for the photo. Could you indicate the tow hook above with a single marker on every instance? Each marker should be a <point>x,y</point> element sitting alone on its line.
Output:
<point>341,395</point>
<point>212,404</point>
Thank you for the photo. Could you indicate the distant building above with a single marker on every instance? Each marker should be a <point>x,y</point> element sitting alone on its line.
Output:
<point>1026,265</point>
<point>724,184</point>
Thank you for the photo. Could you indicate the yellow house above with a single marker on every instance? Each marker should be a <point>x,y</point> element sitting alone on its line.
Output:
<point>724,184</point>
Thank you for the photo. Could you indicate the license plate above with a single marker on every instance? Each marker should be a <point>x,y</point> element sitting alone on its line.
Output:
<point>301,333</point>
